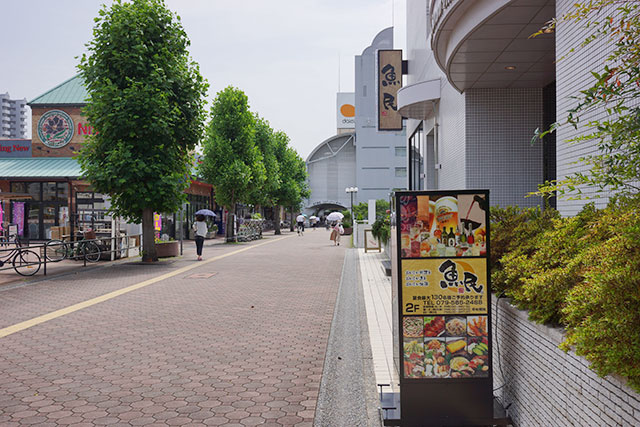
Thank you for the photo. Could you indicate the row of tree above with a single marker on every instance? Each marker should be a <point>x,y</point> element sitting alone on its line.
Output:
<point>249,162</point>
<point>146,99</point>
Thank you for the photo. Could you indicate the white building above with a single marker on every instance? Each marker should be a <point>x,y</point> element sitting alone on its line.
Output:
<point>479,86</point>
<point>359,155</point>
<point>13,117</point>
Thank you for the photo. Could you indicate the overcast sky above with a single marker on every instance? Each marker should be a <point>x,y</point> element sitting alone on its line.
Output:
<point>283,54</point>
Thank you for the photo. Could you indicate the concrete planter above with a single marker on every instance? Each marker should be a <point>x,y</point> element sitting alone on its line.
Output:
<point>168,249</point>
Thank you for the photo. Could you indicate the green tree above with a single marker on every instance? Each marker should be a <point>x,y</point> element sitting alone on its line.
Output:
<point>615,91</point>
<point>293,188</point>
<point>146,100</point>
<point>231,161</point>
<point>265,194</point>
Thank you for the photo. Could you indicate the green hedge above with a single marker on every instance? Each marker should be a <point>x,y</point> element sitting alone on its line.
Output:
<point>581,272</point>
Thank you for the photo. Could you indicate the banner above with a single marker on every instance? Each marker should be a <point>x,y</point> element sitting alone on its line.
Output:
<point>18,216</point>
<point>389,82</point>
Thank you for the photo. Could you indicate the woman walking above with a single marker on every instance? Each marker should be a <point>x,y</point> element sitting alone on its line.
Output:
<point>201,230</point>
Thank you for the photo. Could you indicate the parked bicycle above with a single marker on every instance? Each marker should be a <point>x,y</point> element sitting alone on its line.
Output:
<point>25,261</point>
<point>57,250</point>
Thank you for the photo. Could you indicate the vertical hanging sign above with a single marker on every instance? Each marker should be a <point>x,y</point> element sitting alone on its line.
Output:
<point>389,82</point>
<point>444,313</point>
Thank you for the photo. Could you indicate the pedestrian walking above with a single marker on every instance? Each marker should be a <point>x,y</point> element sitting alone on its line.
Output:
<point>336,231</point>
<point>300,220</point>
<point>200,229</point>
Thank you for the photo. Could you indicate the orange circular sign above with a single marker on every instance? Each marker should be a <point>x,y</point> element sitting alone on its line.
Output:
<point>348,110</point>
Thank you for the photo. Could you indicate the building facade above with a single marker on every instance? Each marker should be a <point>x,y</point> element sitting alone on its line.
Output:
<point>359,155</point>
<point>13,117</point>
<point>479,86</point>
<point>50,198</point>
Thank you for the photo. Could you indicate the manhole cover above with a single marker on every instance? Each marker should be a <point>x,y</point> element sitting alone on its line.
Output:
<point>200,276</point>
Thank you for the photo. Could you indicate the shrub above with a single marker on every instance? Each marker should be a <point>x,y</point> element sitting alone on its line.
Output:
<point>381,229</point>
<point>514,231</point>
<point>602,312</point>
<point>546,276</point>
<point>346,221</point>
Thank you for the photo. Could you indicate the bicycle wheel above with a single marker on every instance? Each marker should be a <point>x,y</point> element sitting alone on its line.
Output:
<point>26,263</point>
<point>91,251</point>
<point>56,250</point>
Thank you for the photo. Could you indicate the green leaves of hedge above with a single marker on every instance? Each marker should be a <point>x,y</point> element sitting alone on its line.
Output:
<point>581,272</point>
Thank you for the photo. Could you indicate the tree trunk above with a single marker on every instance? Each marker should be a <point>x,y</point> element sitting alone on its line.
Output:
<point>229,230</point>
<point>292,220</point>
<point>149,253</point>
<point>276,221</point>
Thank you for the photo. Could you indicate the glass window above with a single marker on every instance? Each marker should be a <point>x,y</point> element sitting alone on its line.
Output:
<point>18,187</point>
<point>48,191</point>
<point>63,191</point>
<point>33,188</point>
<point>401,172</point>
<point>401,151</point>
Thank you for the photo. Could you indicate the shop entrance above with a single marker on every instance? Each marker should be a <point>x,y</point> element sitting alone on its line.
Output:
<point>49,207</point>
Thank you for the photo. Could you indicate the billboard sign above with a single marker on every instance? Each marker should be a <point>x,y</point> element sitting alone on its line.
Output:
<point>12,148</point>
<point>442,294</point>
<point>346,110</point>
<point>389,80</point>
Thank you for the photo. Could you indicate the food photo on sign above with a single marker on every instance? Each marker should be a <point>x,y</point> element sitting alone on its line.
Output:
<point>443,226</point>
<point>445,346</point>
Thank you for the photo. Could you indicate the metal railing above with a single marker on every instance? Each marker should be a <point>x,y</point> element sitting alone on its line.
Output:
<point>27,259</point>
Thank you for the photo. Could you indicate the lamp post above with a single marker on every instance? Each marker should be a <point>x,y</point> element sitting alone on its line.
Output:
<point>351,191</point>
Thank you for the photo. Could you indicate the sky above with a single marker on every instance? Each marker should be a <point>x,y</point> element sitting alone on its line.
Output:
<point>290,57</point>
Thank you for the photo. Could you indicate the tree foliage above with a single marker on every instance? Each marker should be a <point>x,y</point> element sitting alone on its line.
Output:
<point>146,101</point>
<point>231,162</point>
<point>616,90</point>
<point>265,142</point>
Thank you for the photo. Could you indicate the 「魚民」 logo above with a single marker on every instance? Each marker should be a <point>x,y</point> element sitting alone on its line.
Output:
<point>55,129</point>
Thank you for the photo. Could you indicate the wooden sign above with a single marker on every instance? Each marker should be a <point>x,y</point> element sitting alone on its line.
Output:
<point>389,82</point>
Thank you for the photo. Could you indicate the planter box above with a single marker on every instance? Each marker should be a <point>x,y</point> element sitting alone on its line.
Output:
<point>348,231</point>
<point>168,249</point>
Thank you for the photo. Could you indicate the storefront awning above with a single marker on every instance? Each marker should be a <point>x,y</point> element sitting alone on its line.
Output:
<point>416,101</point>
<point>39,167</point>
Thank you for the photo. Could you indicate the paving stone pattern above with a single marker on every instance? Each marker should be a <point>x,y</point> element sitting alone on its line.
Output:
<point>244,347</point>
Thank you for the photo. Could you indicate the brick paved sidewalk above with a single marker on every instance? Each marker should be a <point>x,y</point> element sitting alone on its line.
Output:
<point>235,341</point>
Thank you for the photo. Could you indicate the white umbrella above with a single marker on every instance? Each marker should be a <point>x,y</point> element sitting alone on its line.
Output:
<point>313,217</point>
<point>335,216</point>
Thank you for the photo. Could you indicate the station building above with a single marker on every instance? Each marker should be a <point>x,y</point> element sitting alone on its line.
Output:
<point>477,88</point>
<point>41,182</point>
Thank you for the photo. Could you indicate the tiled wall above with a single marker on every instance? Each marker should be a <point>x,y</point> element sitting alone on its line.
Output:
<point>451,139</point>
<point>499,155</point>
<point>546,386</point>
<point>573,75</point>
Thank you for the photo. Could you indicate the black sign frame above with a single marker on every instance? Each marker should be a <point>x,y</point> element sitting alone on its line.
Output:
<point>441,401</point>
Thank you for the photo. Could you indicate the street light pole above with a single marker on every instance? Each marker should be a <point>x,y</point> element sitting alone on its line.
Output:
<point>351,190</point>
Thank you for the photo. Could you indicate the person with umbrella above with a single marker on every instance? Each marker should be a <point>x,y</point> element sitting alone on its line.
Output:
<point>200,229</point>
<point>336,229</point>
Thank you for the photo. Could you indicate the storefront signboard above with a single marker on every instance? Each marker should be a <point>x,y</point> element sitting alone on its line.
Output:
<point>442,292</point>
<point>15,148</point>
<point>389,81</point>
<point>346,111</point>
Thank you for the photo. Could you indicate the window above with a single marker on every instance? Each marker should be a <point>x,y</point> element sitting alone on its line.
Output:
<point>401,172</point>
<point>401,151</point>
<point>416,159</point>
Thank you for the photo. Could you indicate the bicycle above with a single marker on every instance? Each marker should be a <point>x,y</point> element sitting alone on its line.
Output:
<point>57,250</point>
<point>24,261</point>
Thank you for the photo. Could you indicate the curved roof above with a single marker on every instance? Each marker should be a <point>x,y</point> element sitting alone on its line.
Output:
<point>330,147</point>
<point>382,40</point>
